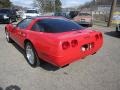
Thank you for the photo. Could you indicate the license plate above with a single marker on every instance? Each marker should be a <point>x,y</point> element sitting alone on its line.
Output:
<point>87,47</point>
<point>82,20</point>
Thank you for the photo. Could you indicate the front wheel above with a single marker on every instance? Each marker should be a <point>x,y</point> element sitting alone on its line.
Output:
<point>8,37</point>
<point>15,19</point>
<point>31,55</point>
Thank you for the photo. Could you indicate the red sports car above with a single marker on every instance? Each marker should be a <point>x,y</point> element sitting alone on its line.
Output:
<point>56,40</point>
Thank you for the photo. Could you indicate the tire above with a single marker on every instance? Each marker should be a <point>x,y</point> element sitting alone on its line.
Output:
<point>9,21</point>
<point>9,40</point>
<point>90,25</point>
<point>117,29</point>
<point>31,55</point>
<point>15,19</point>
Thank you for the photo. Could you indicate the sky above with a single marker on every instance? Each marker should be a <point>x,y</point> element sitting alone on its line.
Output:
<point>70,3</point>
<point>65,3</point>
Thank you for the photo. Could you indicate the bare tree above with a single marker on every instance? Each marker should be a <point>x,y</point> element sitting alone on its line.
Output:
<point>49,5</point>
<point>44,5</point>
<point>40,4</point>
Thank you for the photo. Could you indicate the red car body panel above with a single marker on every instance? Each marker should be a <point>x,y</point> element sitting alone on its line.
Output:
<point>49,45</point>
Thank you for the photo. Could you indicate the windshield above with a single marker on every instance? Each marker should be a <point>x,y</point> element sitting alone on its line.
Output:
<point>84,14</point>
<point>58,25</point>
<point>4,11</point>
<point>60,14</point>
<point>31,11</point>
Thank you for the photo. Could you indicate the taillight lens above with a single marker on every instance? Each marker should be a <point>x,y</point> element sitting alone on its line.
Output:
<point>65,45</point>
<point>97,37</point>
<point>91,45</point>
<point>74,43</point>
<point>100,35</point>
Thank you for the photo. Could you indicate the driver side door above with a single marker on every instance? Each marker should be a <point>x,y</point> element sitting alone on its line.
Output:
<point>20,32</point>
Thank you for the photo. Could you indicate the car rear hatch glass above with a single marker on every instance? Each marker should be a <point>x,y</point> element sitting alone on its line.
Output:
<point>58,25</point>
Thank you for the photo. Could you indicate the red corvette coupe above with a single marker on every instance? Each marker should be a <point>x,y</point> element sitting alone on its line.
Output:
<point>56,40</point>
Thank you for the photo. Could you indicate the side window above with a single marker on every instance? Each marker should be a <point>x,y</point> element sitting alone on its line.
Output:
<point>37,27</point>
<point>24,24</point>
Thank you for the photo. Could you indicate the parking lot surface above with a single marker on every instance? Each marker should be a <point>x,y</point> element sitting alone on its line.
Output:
<point>98,72</point>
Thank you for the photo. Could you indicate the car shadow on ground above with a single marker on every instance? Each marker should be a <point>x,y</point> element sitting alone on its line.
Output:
<point>44,65</point>
<point>13,87</point>
<point>113,34</point>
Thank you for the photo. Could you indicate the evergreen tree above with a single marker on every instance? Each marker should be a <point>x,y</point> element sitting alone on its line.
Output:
<point>5,3</point>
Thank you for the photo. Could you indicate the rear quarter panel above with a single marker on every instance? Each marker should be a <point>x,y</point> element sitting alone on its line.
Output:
<point>44,45</point>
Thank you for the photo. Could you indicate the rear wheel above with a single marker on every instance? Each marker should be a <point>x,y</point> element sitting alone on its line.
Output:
<point>31,55</point>
<point>117,29</point>
<point>9,21</point>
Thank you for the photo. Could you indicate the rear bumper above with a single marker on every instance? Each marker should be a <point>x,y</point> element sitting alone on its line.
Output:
<point>64,60</point>
<point>73,56</point>
<point>86,23</point>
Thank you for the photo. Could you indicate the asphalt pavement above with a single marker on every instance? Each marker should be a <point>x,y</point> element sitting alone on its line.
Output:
<point>97,72</point>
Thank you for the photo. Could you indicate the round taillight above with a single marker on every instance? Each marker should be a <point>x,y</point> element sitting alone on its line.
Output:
<point>74,43</point>
<point>100,35</point>
<point>97,37</point>
<point>65,45</point>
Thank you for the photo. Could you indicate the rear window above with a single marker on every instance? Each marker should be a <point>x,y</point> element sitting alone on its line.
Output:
<point>58,25</point>
<point>31,11</point>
